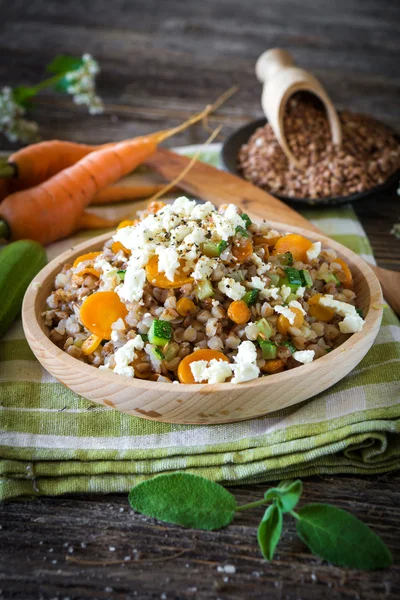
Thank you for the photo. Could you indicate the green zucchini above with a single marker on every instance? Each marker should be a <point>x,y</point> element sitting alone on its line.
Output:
<point>250,297</point>
<point>160,332</point>
<point>19,263</point>
<point>268,349</point>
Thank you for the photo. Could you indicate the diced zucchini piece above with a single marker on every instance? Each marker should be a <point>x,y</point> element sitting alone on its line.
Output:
<point>170,351</point>
<point>268,349</point>
<point>241,231</point>
<point>160,332</point>
<point>144,337</point>
<point>290,298</point>
<point>204,289</point>
<point>237,276</point>
<point>159,353</point>
<point>274,277</point>
<point>289,345</point>
<point>246,219</point>
<point>121,275</point>
<point>294,277</point>
<point>213,249</point>
<point>265,328</point>
<point>285,259</point>
<point>250,297</point>
<point>360,312</point>
<point>331,278</point>
<point>306,278</point>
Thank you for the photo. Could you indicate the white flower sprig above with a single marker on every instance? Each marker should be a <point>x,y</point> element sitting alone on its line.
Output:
<point>12,122</point>
<point>75,76</point>
<point>83,86</point>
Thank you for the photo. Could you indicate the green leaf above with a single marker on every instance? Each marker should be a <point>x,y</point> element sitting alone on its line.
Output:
<point>184,499</point>
<point>63,64</point>
<point>287,494</point>
<point>22,94</point>
<point>270,531</point>
<point>339,538</point>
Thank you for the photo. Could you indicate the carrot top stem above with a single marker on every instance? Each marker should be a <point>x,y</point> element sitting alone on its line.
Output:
<point>5,232</point>
<point>7,170</point>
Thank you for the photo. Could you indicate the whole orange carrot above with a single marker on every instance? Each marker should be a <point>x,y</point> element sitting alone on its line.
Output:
<point>52,210</point>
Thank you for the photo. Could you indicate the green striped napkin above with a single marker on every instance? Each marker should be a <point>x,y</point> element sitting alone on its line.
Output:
<point>54,442</point>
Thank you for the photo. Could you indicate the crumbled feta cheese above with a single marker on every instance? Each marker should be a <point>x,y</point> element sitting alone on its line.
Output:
<point>314,251</point>
<point>202,211</point>
<point>295,304</point>
<point>286,312</point>
<point>215,371</point>
<point>204,268</point>
<point>125,355</point>
<point>352,321</point>
<point>285,291</point>
<point>271,234</point>
<point>304,356</point>
<point>262,267</point>
<point>154,358</point>
<point>132,288</point>
<point>272,292</point>
<point>351,324</point>
<point>168,261</point>
<point>224,228</point>
<point>231,288</point>
<point>256,283</point>
<point>252,332</point>
<point>183,206</point>
<point>245,368</point>
<point>197,237</point>
<point>198,368</point>
<point>300,292</point>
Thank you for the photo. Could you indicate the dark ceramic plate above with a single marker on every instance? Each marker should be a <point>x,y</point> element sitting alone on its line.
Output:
<point>233,143</point>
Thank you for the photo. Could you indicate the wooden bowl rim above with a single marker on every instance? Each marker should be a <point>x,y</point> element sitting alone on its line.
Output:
<point>33,327</point>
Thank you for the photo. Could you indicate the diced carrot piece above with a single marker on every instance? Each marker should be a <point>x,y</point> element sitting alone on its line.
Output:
<point>294,243</point>
<point>283,324</point>
<point>185,374</point>
<point>86,270</point>
<point>100,310</point>
<point>345,276</point>
<point>118,247</point>
<point>239,312</point>
<point>274,365</point>
<point>321,313</point>
<point>185,307</point>
<point>242,250</point>
<point>91,344</point>
<point>127,223</point>
<point>261,241</point>
<point>155,206</point>
<point>159,279</point>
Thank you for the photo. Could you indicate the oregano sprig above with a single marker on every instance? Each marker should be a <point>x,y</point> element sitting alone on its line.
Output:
<point>69,75</point>
<point>330,533</point>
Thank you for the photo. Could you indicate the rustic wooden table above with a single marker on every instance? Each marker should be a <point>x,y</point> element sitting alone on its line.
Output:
<point>160,62</point>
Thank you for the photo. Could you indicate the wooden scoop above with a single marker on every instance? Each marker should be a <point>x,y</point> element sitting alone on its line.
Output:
<point>276,69</point>
<point>220,187</point>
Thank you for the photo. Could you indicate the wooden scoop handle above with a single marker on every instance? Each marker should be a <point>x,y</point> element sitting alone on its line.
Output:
<point>277,70</point>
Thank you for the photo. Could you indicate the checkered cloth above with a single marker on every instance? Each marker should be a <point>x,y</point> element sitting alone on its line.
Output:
<point>54,442</point>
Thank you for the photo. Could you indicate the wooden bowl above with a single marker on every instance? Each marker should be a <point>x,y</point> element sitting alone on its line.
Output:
<point>202,403</point>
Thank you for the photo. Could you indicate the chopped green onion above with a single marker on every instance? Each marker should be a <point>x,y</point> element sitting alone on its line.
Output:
<point>268,349</point>
<point>331,278</point>
<point>242,231</point>
<point>160,332</point>
<point>285,259</point>
<point>121,275</point>
<point>360,312</point>
<point>246,219</point>
<point>213,249</point>
<point>288,344</point>
<point>250,297</point>
<point>204,289</point>
<point>264,328</point>
<point>306,278</point>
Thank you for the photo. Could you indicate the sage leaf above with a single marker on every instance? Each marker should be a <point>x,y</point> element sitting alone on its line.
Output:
<point>184,499</point>
<point>287,495</point>
<point>270,531</point>
<point>336,536</point>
